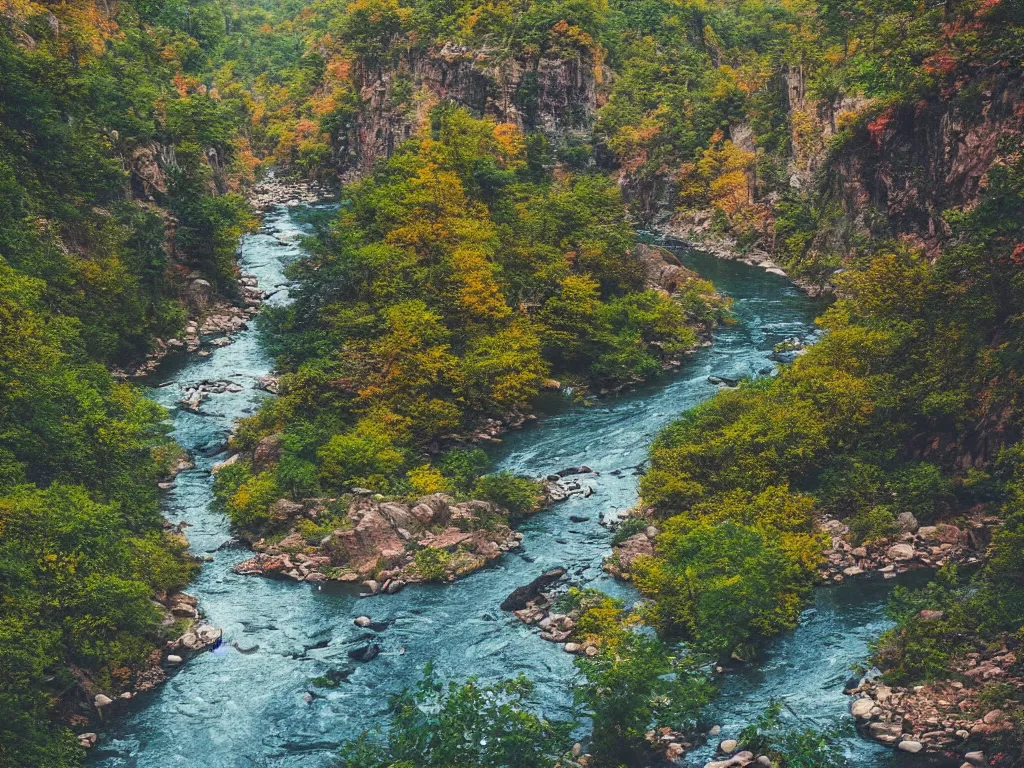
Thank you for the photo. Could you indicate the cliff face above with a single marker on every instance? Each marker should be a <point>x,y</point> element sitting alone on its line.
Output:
<point>912,162</point>
<point>556,95</point>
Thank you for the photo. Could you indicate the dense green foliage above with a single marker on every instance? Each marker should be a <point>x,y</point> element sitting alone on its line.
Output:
<point>438,726</point>
<point>634,685</point>
<point>792,745</point>
<point>81,543</point>
<point>111,123</point>
<point>913,349</point>
<point>447,290</point>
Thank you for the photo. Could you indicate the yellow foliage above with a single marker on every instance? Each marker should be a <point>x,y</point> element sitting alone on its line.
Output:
<point>510,144</point>
<point>425,479</point>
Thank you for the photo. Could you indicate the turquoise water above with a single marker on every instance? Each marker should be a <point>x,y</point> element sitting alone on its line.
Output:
<point>229,708</point>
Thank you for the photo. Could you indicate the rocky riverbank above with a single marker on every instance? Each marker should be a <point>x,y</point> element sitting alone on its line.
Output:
<point>929,546</point>
<point>914,547</point>
<point>212,317</point>
<point>191,635</point>
<point>951,717</point>
<point>694,230</point>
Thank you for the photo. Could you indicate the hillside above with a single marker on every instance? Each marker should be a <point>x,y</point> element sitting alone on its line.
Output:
<point>493,161</point>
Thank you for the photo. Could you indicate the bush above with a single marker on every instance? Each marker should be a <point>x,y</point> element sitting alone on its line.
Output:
<point>249,506</point>
<point>431,562</point>
<point>725,586</point>
<point>793,745</point>
<point>438,726</point>
<point>633,686</point>
<point>359,459</point>
<point>463,467</point>
<point>519,495</point>
<point>872,525</point>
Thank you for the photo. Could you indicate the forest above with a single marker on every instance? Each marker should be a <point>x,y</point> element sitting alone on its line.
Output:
<point>492,164</point>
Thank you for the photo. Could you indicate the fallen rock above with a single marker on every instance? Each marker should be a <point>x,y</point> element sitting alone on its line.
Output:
<point>520,596</point>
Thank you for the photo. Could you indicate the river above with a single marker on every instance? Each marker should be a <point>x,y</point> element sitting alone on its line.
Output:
<point>232,709</point>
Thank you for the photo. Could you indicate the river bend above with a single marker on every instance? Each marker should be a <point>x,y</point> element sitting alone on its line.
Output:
<point>245,704</point>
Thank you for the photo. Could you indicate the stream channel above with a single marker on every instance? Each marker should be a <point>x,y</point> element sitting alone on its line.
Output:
<point>230,708</point>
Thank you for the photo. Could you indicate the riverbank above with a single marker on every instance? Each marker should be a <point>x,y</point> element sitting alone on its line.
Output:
<point>255,697</point>
<point>695,230</point>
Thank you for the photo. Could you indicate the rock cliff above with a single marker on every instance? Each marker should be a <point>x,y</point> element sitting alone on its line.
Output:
<point>558,95</point>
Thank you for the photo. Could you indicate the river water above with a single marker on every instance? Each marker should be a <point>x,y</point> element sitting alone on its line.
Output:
<point>245,703</point>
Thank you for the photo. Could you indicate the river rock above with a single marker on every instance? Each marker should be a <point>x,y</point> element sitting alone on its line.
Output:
<point>913,747</point>
<point>901,552</point>
<point>102,700</point>
<point>87,740</point>
<point>520,596</point>
<point>365,653</point>
<point>174,659</point>
<point>728,746</point>
<point>580,470</point>
<point>862,708</point>
<point>362,621</point>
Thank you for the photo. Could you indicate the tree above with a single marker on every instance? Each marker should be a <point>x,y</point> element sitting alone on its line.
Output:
<point>469,724</point>
<point>632,686</point>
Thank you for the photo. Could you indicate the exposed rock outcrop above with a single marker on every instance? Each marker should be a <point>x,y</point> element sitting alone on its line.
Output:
<point>555,94</point>
<point>385,544</point>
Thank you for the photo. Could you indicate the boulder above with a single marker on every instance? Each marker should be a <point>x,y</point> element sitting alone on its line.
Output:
<point>520,596</point>
<point>285,509</point>
<point>728,746</point>
<point>362,621</point>
<point>397,515</point>
<point>583,469</point>
<point>862,708</point>
<point>662,270</point>
<point>907,522</point>
<point>913,747</point>
<point>198,295</point>
<point>102,700</point>
<point>365,653</point>
<point>174,659</point>
<point>632,548</point>
<point>233,459</point>
<point>900,552</point>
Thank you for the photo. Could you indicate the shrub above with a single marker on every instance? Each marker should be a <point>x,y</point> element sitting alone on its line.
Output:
<point>872,524</point>
<point>633,686</point>
<point>519,495</point>
<point>249,506</point>
<point>438,726</point>
<point>431,562</point>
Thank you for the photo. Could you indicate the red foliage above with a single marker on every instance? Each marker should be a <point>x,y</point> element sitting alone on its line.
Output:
<point>878,126</point>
